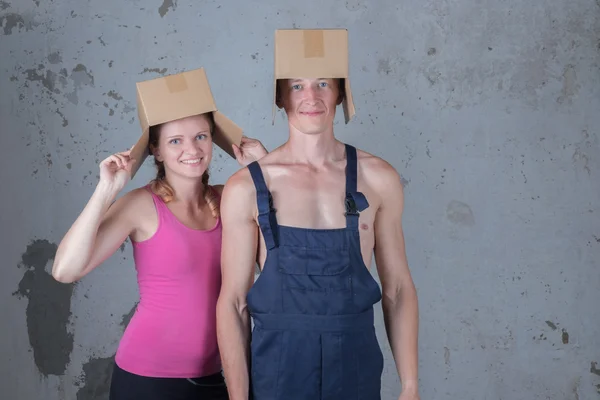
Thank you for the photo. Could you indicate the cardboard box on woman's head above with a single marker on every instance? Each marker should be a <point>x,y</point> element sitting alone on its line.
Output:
<point>179,96</point>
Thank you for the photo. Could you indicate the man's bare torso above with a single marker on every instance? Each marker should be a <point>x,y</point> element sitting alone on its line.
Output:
<point>307,196</point>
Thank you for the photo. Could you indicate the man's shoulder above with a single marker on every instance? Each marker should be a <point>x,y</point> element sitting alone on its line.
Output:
<point>236,197</point>
<point>377,171</point>
<point>241,180</point>
<point>274,157</point>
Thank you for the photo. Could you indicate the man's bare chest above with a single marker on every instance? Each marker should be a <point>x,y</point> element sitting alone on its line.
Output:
<point>318,202</point>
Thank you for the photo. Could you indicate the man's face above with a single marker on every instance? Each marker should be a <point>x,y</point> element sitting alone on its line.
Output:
<point>309,103</point>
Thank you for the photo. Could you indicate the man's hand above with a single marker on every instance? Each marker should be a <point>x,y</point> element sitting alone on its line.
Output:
<point>249,150</point>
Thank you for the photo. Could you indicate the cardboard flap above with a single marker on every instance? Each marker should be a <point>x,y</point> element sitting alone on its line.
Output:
<point>226,133</point>
<point>313,53</point>
<point>348,103</point>
<point>139,152</point>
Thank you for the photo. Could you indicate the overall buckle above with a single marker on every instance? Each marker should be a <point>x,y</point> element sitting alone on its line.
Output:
<point>351,208</point>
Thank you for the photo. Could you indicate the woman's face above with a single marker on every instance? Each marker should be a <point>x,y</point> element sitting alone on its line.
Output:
<point>185,146</point>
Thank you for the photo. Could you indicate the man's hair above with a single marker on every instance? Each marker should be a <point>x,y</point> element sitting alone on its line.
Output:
<point>161,186</point>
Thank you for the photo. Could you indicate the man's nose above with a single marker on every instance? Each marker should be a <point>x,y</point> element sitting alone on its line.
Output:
<point>311,94</point>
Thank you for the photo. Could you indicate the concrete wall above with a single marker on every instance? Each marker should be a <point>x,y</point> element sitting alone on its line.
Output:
<point>489,110</point>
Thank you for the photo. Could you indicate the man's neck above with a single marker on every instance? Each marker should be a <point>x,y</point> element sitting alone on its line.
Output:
<point>315,149</point>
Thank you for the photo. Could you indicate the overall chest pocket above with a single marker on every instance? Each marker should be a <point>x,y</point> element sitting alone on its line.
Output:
<point>315,270</point>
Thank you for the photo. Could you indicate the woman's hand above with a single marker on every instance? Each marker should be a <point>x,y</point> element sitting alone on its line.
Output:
<point>249,150</point>
<point>115,170</point>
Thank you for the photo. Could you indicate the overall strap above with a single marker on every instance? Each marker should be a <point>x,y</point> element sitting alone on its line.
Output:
<point>266,213</point>
<point>355,201</point>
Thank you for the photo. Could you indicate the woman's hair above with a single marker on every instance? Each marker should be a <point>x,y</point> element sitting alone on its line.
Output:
<point>160,185</point>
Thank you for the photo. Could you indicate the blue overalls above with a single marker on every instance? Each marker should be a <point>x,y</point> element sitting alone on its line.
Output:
<point>312,306</point>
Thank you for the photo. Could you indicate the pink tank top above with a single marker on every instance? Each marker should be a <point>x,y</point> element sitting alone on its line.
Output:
<point>173,331</point>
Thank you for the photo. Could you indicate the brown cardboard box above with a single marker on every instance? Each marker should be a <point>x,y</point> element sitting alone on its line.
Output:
<point>313,53</point>
<point>178,96</point>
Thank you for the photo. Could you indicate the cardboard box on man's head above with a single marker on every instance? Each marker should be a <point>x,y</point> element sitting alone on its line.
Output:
<point>177,96</point>
<point>313,53</point>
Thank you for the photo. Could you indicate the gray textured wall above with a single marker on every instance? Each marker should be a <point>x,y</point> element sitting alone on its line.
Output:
<point>489,110</point>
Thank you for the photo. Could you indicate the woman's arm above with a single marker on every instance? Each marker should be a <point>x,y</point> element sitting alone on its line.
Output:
<point>102,226</point>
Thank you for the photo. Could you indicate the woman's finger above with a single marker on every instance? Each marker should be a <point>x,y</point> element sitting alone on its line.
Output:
<point>237,152</point>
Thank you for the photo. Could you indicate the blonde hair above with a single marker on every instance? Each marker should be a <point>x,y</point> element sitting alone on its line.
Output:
<point>161,186</point>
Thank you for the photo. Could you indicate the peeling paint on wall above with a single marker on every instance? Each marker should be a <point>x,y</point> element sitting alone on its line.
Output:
<point>13,23</point>
<point>48,309</point>
<point>405,182</point>
<point>127,317</point>
<point>565,336</point>
<point>160,71</point>
<point>94,382</point>
<point>47,79</point>
<point>81,76</point>
<point>164,8</point>
<point>460,213</point>
<point>551,325</point>
<point>570,85</point>
<point>95,379</point>
<point>54,58</point>
<point>115,95</point>
<point>51,79</point>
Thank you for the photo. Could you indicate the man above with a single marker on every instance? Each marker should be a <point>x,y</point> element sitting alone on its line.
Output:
<point>323,208</point>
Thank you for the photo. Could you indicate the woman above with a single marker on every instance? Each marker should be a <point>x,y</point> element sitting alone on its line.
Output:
<point>169,349</point>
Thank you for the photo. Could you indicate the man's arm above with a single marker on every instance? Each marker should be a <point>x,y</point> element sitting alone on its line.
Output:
<point>238,255</point>
<point>399,302</point>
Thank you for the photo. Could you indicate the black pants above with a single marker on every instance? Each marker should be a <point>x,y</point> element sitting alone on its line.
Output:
<point>128,386</point>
